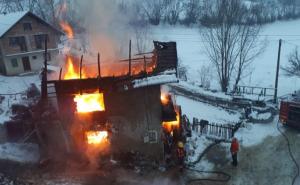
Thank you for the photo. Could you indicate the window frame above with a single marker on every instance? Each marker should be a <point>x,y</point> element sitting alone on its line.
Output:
<point>39,40</point>
<point>29,28</point>
<point>14,62</point>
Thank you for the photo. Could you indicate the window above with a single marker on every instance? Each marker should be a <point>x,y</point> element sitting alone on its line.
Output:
<point>18,41</point>
<point>27,26</point>
<point>14,62</point>
<point>152,136</point>
<point>34,57</point>
<point>40,40</point>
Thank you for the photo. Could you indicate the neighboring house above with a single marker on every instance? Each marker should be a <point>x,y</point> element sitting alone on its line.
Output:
<point>22,42</point>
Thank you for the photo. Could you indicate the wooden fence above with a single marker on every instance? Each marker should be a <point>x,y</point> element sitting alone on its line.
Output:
<point>260,91</point>
<point>213,130</point>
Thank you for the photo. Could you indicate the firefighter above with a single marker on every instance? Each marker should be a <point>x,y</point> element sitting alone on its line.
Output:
<point>234,148</point>
<point>180,155</point>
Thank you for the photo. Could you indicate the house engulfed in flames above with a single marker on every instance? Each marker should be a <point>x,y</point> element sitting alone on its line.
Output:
<point>124,112</point>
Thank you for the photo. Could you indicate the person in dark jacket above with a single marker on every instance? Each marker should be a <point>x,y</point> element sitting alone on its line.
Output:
<point>234,148</point>
<point>180,155</point>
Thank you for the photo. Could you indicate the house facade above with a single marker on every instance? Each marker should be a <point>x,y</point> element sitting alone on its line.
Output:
<point>22,43</point>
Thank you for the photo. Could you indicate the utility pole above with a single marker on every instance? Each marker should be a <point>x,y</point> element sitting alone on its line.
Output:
<point>44,73</point>
<point>277,72</point>
<point>129,70</point>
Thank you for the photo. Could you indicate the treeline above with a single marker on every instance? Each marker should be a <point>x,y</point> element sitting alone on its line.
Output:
<point>189,12</point>
<point>155,12</point>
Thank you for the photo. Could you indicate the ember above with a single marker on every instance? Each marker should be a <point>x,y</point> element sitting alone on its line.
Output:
<point>96,137</point>
<point>90,102</point>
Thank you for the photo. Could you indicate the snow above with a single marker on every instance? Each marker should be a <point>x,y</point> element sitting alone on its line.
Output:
<point>19,152</point>
<point>262,116</point>
<point>253,134</point>
<point>8,20</point>
<point>191,53</point>
<point>191,86</point>
<point>193,109</point>
<point>11,86</point>
<point>155,80</point>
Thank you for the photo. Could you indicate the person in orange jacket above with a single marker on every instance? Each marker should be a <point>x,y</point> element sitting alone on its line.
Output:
<point>234,148</point>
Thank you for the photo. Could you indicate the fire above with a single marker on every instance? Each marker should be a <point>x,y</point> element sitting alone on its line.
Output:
<point>71,72</point>
<point>96,137</point>
<point>68,29</point>
<point>89,102</point>
<point>171,125</point>
<point>165,98</point>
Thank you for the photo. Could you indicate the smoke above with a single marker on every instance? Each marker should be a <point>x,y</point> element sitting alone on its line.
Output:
<point>107,28</point>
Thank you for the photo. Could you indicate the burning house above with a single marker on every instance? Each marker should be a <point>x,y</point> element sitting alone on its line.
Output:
<point>120,112</point>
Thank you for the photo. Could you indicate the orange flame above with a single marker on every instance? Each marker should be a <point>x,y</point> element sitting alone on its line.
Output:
<point>68,29</point>
<point>90,102</point>
<point>171,125</point>
<point>165,98</point>
<point>96,137</point>
<point>71,73</point>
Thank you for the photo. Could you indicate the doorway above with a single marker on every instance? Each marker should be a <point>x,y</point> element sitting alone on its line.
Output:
<point>26,63</point>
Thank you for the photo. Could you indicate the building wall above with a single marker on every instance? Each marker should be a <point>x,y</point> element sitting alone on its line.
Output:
<point>37,28</point>
<point>36,62</point>
<point>133,114</point>
<point>10,52</point>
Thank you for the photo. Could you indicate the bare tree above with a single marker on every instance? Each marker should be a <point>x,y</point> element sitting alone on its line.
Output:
<point>173,10</point>
<point>153,10</point>
<point>205,76</point>
<point>141,34</point>
<point>249,47</point>
<point>293,66</point>
<point>17,5</point>
<point>231,44</point>
<point>192,11</point>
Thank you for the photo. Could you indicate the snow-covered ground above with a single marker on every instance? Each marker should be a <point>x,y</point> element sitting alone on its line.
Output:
<point>193,109</point>
<point>191,53</point>
<point>19,152</point>
<point>253,134</point>
<point>11,86</point>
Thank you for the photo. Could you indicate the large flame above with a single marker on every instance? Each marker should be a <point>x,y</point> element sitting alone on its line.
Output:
<point>96,137</point>
<point>67,29</point>
<point>90,102</point>
<point>72,73</point>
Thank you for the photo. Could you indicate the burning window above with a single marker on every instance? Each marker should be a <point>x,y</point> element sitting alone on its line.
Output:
<point>171,125</point>
<point>96,137</point>
<point>89,102</point>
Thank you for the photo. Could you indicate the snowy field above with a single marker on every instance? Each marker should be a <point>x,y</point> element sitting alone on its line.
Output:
<point>191,53</point>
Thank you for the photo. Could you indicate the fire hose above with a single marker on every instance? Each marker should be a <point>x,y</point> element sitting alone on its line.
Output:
<point>290,153</point>
<point>226,176</point>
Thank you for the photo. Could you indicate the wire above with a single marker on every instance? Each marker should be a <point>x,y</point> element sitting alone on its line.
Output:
<point>287,42</point>
<point>291,154</point>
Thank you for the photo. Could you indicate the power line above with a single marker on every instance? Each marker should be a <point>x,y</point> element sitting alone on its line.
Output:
<point>287,42</point>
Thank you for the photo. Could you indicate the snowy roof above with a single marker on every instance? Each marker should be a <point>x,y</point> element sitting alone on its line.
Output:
<point>155,80</point>
<point>7,21</point>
